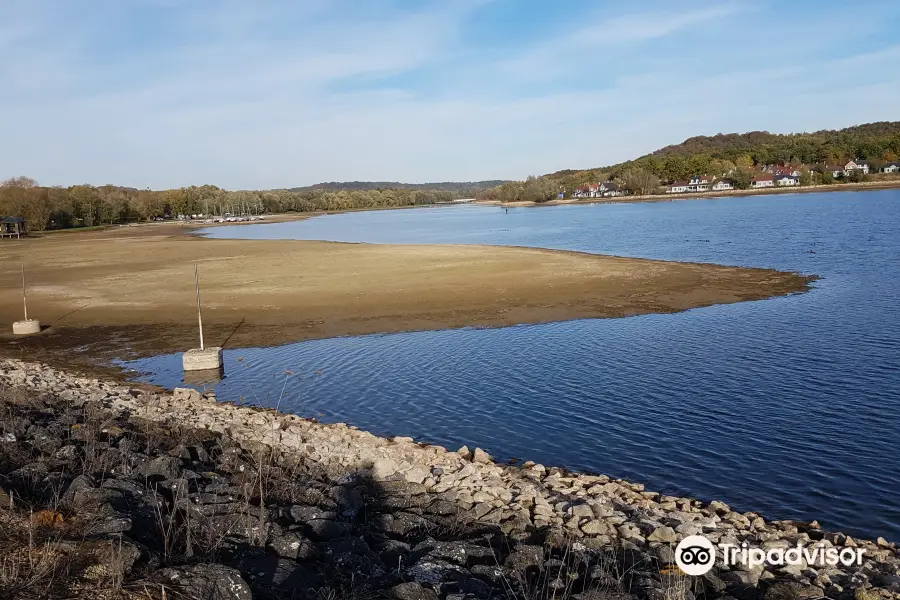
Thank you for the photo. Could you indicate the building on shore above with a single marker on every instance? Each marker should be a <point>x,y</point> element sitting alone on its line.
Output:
<point>723,184</point>
<point>762,181</point>
<point>893,167</point>
<point>678,187</point>
<point>786,180</point>
<point>606,189</point>
<point>858,165</point>
<point>611,190</point>
<point>697,183</point>
<point>12,227</point>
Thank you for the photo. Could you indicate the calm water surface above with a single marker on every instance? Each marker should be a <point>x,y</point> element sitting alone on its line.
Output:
<point>788,406</point>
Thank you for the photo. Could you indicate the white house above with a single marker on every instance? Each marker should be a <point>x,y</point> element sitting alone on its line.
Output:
<point>786,180</point>
<point>700,183</point>
<point>611,190</point>
<point>586,191</point>
<point>893,167</point>
<point>697,183</point>
<point>723,184</point>
<point>762,181</point>
<point>852,166</point>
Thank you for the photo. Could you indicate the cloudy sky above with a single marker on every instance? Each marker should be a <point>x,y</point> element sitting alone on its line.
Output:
<point>266,93</point>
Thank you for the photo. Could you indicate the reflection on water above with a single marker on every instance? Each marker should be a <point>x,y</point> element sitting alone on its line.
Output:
<point>201,379</point>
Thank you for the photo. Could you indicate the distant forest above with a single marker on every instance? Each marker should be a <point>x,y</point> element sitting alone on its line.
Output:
<point>739,154</point>
<point>461,188</point>
<point>87,205</point>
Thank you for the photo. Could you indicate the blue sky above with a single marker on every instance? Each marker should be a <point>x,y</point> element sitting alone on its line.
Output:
<point>264,94</point>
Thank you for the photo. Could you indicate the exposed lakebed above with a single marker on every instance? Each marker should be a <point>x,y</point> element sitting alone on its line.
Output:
<point>784,406</point>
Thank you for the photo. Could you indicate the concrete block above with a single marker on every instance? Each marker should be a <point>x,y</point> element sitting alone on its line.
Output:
<point>26,327</point>
<point>202,360</point>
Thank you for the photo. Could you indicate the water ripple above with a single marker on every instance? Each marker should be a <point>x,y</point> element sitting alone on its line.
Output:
<point>787,406</point>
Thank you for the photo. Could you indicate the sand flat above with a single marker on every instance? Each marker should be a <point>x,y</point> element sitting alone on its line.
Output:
<point>128,292</point>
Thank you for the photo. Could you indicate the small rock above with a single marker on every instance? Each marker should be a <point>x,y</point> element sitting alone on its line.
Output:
<point>665,554</point>
<point>413,591</point>
<point>663,534</point>
<point>69,452</point>
<point>525,556</point>
<point>207,581</point>
<point>595,527</point>
<point>293,545</point>
<point>581,511</point>
<point>324,529</point>
<point>384,468</point>
<point>480,456</point>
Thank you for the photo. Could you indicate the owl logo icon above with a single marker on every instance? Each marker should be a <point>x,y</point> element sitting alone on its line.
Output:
<point>695,555</point>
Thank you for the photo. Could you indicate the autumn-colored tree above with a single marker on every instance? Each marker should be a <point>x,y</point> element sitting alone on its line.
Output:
<point>640,181</point>
<point>19,182</point>
<point>744,160</point>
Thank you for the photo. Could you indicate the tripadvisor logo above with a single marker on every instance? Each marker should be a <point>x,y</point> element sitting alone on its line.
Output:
<point>696,555</point>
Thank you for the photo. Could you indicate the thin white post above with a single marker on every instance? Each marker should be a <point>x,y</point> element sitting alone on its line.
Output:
<point>24,301</point>
<point>199,316</point>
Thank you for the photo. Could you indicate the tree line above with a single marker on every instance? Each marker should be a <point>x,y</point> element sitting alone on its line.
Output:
<point>87,205</point>
<point>740,156</point>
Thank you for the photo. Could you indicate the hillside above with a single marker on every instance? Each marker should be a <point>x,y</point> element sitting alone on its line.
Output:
<point>871,141</point>
<point>865,141</point>
<point>740,155</point>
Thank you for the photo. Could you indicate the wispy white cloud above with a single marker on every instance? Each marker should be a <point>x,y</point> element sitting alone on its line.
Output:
<point>282,93</point>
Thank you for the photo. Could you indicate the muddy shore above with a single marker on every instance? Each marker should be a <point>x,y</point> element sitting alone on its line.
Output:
<point>128,292</point>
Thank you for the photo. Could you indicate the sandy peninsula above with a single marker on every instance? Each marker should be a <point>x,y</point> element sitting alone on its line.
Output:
<point>128,291</point>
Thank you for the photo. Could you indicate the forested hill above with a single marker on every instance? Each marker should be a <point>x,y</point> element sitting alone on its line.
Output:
<point>446,186</point>
<point>868,141</point>
<point>740,156</point>
<point>872,141</point>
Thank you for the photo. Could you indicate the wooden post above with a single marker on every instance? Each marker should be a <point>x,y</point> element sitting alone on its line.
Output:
<point>24,301</point>
<point>199,315</point>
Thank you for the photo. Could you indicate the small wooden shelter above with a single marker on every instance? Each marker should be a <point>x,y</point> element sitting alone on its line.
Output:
<point>12,227</point>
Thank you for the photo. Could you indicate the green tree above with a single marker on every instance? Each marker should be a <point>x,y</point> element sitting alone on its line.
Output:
<point>742,177</point>
<point>744,160</point>
<point>640,181</point>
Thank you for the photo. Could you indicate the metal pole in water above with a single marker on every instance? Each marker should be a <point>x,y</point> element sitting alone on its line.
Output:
<point>199,316</point>
<point>24,301</point>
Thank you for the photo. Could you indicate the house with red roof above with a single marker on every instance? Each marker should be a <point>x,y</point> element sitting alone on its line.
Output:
<point>762,181</point>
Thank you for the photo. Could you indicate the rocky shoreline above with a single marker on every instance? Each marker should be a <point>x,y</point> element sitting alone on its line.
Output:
<point>211,500</point>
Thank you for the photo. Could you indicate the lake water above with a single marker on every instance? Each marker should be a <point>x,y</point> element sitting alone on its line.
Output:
<point>788,407</point>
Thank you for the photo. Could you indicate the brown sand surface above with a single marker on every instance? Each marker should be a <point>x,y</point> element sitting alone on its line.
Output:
<point>129,291</point>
